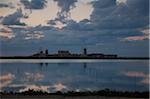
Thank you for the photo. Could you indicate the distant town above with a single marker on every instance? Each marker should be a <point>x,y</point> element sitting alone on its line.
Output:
<point>65,54</point>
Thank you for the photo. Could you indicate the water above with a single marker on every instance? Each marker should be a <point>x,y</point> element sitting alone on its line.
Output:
<point>76,75</point>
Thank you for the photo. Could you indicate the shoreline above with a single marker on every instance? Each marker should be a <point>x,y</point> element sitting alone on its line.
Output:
<point>84,61</point>
<point>102,93</point>
<point>61,97</point>
<point>97,58</point>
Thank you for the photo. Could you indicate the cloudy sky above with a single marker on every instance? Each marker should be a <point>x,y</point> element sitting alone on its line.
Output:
<point>105,26</point>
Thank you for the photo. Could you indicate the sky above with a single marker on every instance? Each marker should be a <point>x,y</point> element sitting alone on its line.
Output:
<point>103,26</point>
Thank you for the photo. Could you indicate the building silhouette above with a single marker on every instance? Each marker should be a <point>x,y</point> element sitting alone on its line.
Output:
<point>85,51</point>
<point>67,54</point>
<point>46,51</point>
<point>64,53</point>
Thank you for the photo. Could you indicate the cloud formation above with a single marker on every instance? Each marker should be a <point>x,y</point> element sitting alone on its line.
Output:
<point>34,4</point>
<point>34,36</point>
<point>145,36</point>
<point>4,5</point>
<point>14,19</point>
<point>65,6</point>
<point>109,15</point>
<point>6,32</point>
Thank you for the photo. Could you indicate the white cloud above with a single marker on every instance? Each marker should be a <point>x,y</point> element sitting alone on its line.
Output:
<point>145,36</point>
<point>77,13</point>
<point>121,1</point>
<point>136,38</point>
<point>37,17</point>
<point>6,32</point>
<point>34,35</point>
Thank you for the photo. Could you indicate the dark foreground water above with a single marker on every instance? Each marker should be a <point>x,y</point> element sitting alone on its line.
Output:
<point>76,75</point>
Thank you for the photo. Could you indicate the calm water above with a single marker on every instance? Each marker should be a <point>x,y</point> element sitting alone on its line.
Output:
<point>77,75</point>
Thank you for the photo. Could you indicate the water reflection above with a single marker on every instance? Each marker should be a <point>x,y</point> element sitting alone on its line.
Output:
<point>74,76</point>
<point>84,65</point>
<point>43,64</point>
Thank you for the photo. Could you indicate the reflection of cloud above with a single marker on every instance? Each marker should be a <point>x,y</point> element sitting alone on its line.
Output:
<point>35,88</point>
<point>6,77</point>
<point>34,35</point>
<point>45,88</point>
<point>5,80</point>
<point>145,81</point>
<point>59,87</point>
<point>17,85</point>
<point>145,76</point>
<point>135,74</point>
<point>33,76</point>
<point>5,84</point>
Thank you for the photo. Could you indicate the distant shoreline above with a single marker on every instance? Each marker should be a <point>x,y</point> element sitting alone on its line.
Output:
<point>108,94</point>
<point>117,58</point>
<point>62,97</point>
<point>65,54</point>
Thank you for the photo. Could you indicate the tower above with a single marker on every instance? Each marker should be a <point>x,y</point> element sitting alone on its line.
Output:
<point>41,52</point>
<point>46,51</point>
<point>85,51</point>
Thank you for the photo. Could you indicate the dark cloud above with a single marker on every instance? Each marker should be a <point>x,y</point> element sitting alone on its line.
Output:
<point>96,41</point>
<point>104,3</point>
<point>83,25</point>
<point>13,19</point>
<point>65,6</point>
<point>133,14</point>
<point>140,7</point>
<point>4,5</point>
<point>34,4</point>
<point>108,14</point>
